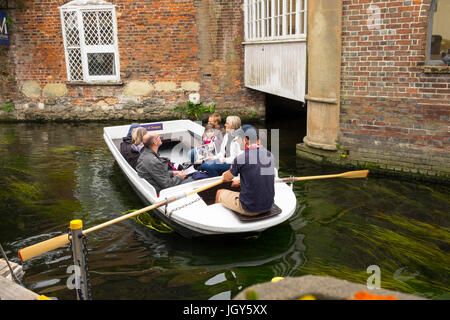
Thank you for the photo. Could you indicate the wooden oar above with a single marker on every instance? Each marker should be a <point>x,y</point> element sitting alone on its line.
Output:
<point>346,175</point>
<point>56,242</point>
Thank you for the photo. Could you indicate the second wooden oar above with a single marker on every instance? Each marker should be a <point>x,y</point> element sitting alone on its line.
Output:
<point>345,175</point>
<point>56,242</point>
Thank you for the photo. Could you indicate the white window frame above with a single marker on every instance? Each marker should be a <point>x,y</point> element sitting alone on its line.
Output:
<point>88,49</point>
<point>256,20</point>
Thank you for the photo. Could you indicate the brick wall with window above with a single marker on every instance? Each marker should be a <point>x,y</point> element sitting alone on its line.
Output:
<point>167,50</point>
<point>395,102</point>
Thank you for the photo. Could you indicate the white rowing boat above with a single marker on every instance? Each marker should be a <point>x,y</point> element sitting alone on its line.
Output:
<point>196,214</point>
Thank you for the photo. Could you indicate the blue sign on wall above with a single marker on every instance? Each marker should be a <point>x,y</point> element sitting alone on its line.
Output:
<point>4,38</point>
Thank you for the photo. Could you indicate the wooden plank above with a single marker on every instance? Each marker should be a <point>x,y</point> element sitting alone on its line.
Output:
<point>4,270</point>
<point>10,290</point>
<point>6,273</point>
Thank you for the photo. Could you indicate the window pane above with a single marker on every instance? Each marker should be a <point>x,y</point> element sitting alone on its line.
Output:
<point>258,18</point>
<point>269,18</point>
<point>101,64</point>
<point>75,64</point>
<point>91,37</point>
<point>106,30</point>
<point>294,17</point>
<point>288,17</point>
<point>98,28</point>
<point>249,19</point>
<point>279,19</point>
<point>71,29</point>
<point>302,23</point>
<point>440,40</point>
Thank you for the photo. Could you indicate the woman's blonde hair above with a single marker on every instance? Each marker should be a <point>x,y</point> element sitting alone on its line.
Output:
<point>137,135</point>
<point>234,122</point>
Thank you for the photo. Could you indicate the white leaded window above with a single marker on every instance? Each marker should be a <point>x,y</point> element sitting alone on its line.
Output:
<point>90,41</point>
<point>274,19</point>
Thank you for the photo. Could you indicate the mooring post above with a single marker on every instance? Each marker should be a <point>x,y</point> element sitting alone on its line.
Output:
<point>79,260</point>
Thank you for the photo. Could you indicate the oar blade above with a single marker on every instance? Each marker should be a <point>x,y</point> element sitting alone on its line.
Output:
<point>355,174</point>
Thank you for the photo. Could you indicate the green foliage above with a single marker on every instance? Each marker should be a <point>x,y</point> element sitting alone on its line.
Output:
<point>8,107</point>
<point>9,22</point>
<point>342,150</point>
<point>194,111</point>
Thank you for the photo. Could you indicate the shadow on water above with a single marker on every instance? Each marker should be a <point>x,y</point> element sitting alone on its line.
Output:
<point>52,173</point>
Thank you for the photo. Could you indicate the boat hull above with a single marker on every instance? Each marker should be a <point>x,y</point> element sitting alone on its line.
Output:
<point>192,217</point>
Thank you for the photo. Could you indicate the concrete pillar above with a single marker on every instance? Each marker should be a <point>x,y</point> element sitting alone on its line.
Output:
<point>324,72</point>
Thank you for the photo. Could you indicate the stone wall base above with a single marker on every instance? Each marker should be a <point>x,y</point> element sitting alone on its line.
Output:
<point>114,108</point>
<point>419,166</point>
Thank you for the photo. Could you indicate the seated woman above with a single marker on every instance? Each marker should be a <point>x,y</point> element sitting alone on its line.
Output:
<point>137,138</point>
<point>125,146</point>
<point>229,149</point>
<point>132,144</point>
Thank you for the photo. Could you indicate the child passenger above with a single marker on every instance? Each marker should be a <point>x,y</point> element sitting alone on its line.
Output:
<point>209,138</point>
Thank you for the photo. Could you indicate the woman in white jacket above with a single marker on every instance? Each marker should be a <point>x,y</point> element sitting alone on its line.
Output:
<point>229,149</point>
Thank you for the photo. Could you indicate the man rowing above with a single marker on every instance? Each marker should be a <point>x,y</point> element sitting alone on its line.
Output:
<point>255,166</point>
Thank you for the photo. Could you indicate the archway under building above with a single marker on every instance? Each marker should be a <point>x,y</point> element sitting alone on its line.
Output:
<point>289,116</point>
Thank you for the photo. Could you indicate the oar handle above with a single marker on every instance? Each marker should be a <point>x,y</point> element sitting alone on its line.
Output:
<point>44,246</point>
<point>56,242</point>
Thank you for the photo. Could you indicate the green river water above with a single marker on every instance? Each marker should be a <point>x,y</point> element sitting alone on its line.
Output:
<point>53,173</point>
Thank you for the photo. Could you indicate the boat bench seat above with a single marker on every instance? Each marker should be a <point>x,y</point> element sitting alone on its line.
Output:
<point>272,212</point>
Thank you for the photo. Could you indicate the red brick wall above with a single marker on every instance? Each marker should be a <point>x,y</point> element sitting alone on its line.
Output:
<point>159,40</point>
<point>388,104</point>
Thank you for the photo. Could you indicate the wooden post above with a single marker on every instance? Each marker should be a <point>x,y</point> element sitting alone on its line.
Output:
<point>81,280</point>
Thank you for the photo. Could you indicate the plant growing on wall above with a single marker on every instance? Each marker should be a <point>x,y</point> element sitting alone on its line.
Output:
<point>8,107</point>
<point>194,111</point>
<point>342,151</point>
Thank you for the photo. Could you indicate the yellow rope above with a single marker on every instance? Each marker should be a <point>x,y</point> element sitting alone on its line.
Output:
<point>150,222</point>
